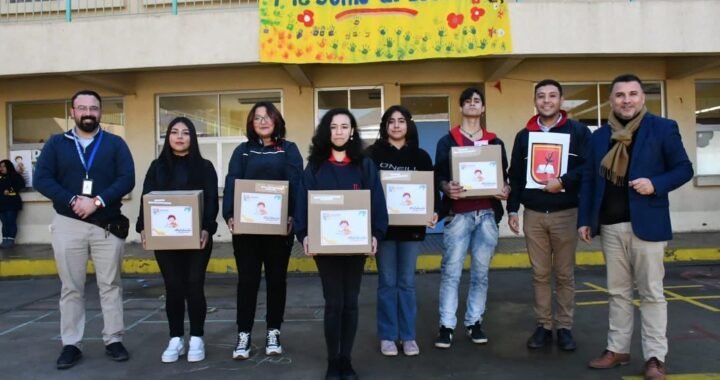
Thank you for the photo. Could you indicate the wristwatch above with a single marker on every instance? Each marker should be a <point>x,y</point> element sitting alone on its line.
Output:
<point>98,202</point>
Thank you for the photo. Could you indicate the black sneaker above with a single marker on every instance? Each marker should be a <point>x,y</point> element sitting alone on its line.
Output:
<point>69,356</point>
<point>444,338</point>
<point>346,370</point>
<point>540,338</point>
<point>565,340</point>
<point>333,370</point>
<point>476,334</point>
<point>116,351</point>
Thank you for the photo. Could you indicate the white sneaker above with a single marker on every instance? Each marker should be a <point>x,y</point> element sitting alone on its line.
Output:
<point>174,350</point>
<point>196,349</point>
<point>272,342</point>
<point>242,348</point>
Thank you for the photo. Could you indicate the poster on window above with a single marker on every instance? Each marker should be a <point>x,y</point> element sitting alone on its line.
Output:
<point>171,220</point>
<point>261,208</point>
<point>547,158</point>
<point>344,227</point>
<point>24,164</point>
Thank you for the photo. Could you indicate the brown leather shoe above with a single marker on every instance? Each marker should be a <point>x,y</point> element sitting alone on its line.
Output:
<point>654,369</point>
<point>609,359</point>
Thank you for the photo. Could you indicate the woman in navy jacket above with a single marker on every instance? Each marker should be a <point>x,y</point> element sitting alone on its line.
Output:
<point>336,162</point>
<point>265,156</point>
<point>397,149</point>
<point>10,203</point>
<point>182,167</point>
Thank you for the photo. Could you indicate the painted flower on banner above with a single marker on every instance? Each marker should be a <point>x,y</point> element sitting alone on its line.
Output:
<point>476,13</point>
<point>307,18</point>
<point>454,20</point>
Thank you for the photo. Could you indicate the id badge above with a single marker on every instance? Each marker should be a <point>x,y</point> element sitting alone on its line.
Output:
<point>481,143</point>
<point>87,187</point>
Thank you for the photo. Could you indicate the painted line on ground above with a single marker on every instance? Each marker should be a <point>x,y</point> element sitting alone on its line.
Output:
<point>684,376</point>
<point>426,262</point>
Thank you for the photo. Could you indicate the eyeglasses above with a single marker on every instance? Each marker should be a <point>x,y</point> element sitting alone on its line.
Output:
<point>85,108</point>
<point>262,119</point>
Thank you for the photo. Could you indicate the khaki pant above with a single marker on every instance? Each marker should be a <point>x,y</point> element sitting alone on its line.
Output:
<point>551,240</point>
<point>74,242</point>
<point>632,261</point>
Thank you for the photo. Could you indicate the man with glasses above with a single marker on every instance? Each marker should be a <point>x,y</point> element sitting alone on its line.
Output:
<point>635,161</point>
<point>85,172</point>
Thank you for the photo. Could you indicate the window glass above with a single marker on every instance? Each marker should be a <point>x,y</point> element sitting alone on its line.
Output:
<point>707,134</point>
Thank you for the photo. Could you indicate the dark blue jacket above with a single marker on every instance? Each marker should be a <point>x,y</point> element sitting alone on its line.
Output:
<point>658,154</point>
<point>12,183</point>
<point>329,176</point>
<point>59,174</point>
<point>252,160</point>
<point>537,199</point>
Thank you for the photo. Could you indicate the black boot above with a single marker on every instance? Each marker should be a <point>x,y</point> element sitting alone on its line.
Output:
<point>333,370</point>
<point>346,369</point>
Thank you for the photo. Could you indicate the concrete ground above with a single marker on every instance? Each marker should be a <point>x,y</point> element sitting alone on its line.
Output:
<point>29,326</point>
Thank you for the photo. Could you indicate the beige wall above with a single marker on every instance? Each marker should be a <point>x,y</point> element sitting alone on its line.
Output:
<point>204,38</point>
<point>693,208</point>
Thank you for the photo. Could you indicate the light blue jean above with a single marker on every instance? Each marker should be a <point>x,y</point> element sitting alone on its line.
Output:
<point>396,305</point>
<point>475,230</point>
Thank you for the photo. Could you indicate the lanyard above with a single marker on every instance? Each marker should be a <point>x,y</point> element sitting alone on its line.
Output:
<point>89,162</point>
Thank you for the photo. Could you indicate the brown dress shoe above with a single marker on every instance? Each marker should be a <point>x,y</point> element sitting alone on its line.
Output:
<point>654,369</point>
<point>609,359</point>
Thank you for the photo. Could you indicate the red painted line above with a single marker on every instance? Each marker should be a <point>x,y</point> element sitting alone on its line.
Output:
<point>350,12</point>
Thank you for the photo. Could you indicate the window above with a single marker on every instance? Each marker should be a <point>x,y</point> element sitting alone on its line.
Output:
<point>589,104</point>
<point>220,120</point>
<point>366,104</point>
<point>707,118</point>
<point>32,123</point>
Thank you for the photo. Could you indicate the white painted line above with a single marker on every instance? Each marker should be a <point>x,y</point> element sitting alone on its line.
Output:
<point>8,331</point>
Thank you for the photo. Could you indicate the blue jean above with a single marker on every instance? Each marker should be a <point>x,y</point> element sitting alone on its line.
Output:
<point>9,223</point>
<point>475,230</point>
<point>396,306</point>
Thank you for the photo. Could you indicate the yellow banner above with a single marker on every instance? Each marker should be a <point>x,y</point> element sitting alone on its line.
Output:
<point>357,31</point>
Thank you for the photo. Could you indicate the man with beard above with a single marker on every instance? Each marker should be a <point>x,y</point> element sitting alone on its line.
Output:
<point>85,172</point>
<point>634,162</point>
<point>550,216</point>
<point>474,224</point>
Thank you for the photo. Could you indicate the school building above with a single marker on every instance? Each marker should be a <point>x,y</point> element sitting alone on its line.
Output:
<point>152,60</point>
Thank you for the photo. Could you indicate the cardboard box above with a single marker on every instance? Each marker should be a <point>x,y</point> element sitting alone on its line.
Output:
<point>409,196</point>
<point>339,222</point>
<point>478,169</point>
<point>260,207</point>
<point>173,219</point>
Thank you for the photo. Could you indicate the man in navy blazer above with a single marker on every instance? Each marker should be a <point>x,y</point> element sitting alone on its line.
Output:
<point>634,161</point>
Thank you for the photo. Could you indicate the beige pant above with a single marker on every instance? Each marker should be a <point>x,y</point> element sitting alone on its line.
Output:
<point>551,240</point>
<point>632,261</point>
<point>74,242</point>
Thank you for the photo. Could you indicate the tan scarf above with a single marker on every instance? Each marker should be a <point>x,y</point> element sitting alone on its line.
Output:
<point>614,165</point>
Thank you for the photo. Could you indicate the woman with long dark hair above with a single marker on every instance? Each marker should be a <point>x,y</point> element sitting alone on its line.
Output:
<point>182,167</point>
<point>267,155</point>
<point>397,148</point>
<point>336,162</point>
<point>10,203</point>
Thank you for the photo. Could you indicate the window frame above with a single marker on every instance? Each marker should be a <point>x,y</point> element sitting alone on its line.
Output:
<point>221,167</point>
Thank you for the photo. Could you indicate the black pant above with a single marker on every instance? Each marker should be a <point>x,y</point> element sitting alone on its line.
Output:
<point>252,252</point>
<point>184,275</point>
<point>341,277</point>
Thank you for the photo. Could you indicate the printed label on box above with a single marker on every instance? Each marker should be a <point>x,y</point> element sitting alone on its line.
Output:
<point>171,220</point>
<point>478,175</point>
<point>343,227</point>
<point>406,198</point>
<point>261,208</point>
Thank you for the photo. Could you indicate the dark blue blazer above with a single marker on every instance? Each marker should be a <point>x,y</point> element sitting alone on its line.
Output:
<point>658,154</point>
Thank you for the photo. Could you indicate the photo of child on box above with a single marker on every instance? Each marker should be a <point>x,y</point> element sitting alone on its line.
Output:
<point>180,166</point>
<point>336,162</point>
